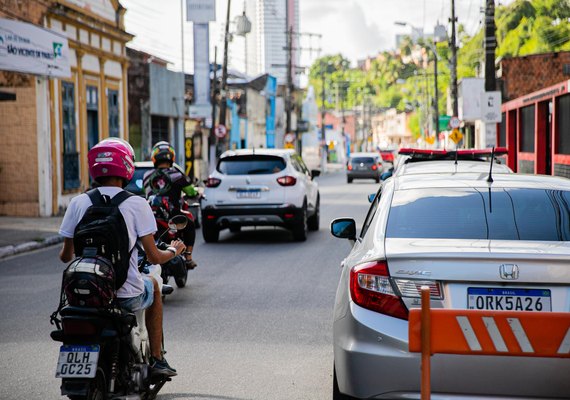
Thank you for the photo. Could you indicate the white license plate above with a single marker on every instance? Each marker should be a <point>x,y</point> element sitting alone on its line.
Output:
<point>502,299</point>
<point>248,194</point>
<point>77,361</point>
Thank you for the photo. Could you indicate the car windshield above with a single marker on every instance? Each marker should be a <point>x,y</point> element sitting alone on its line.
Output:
<point>362,160</point>
<point>466,213</point>
<point>251,165</point>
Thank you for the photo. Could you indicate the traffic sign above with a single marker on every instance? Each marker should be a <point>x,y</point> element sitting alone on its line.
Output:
<point>289,137</point>
<point>430,139</point>
<point>456,136</point>
<point>220,131</point>
<point>454,123</point>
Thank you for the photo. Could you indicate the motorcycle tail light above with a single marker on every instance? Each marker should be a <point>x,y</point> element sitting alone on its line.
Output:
<point>287,180</point>
<point>213,182</point>
<point>371,288</point>
<point>79,327</point>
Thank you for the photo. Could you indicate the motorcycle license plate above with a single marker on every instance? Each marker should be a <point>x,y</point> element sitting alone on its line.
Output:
<point>77,361</point>
<point>508,299</point>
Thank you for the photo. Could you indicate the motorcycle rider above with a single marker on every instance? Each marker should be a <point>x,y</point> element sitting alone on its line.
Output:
<point>165,181</point>
<point>111,165</point>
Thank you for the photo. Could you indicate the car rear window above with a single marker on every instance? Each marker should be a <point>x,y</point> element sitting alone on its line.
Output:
<point>251,165</point>
<point>362,160</point>
<point>498,214</point>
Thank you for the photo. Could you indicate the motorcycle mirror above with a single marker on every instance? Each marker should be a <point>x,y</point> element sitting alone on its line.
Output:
<point>178,222</point>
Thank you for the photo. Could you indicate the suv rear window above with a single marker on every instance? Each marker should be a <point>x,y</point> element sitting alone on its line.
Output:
<point>363,160</point>
<point>498,214</point>
<point>251,165</point>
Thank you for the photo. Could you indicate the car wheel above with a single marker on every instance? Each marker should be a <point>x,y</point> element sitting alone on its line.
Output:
<point>377,180</point>
<point>348,180</point>
<point>235,228</point>
<point>210,232</point>
<point>300,231</point>
<point>313,221</point>
<point>337,395</point>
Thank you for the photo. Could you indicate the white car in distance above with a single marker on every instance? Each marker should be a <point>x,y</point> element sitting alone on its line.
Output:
<point>261,187</point>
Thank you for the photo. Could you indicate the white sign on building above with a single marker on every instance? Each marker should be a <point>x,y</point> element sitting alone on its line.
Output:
<point>491,107</point>
<point>31,49</point>
<point>200,11</point>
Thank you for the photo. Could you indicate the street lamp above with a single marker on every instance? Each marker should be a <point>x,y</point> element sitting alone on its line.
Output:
<point>439,35</point>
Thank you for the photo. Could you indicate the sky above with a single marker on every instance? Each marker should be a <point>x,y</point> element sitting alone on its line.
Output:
<point>355,28</point>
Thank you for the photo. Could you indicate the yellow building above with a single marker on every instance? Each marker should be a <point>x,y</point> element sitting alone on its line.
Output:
<point>52,122</point>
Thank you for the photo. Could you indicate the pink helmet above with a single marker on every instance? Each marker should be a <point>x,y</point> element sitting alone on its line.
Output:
<point>112,157</point>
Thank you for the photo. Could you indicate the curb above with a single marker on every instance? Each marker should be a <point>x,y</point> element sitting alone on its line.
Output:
<point>11,250</point>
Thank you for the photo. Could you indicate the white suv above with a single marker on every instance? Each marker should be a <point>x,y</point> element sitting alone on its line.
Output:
<point>260,187</point>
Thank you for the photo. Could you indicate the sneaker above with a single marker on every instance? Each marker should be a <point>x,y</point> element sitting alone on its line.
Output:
<point>191,264</point>
<point>162,367</point>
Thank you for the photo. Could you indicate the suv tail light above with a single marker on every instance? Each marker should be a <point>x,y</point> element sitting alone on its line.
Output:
<point>287,180</point>
<point>374,167</point>
<point>349,167</point>
<point>371,288</point>
<point>213,182</point>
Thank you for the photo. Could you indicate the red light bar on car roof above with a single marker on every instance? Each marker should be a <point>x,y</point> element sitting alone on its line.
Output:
<point>499,151</point>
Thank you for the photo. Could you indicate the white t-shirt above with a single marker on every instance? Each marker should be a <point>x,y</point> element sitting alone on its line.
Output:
<point>140,222</point>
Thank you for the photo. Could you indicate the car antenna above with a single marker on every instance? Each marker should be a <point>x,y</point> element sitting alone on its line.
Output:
<point>490,177</point>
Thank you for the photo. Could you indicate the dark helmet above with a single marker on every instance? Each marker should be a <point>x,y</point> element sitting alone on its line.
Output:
<point>89,282</point>
<point>162,151</point>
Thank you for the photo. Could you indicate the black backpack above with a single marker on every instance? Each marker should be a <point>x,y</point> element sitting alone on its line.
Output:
<point>102,231</point>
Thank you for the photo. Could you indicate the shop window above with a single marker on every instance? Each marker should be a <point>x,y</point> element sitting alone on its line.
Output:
<point>70,154</point>
<point>527,129</point>
<point>92,96</point>
<point>159,129</point>
<point>563,119</point>
<point>113,100</point>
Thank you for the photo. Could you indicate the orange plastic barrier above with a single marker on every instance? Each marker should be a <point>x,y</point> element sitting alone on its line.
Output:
<point>507,333</point>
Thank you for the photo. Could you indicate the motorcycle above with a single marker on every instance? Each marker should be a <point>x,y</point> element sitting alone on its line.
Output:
<point>162,213</point>
<point>105,351</point>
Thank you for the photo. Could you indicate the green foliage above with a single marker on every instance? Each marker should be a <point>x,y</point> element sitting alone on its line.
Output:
<point>404,79</point>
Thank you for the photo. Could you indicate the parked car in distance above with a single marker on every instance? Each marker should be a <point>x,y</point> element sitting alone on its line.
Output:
<point>477,243</point>
<point>364,166</point>
<point>261,187</point>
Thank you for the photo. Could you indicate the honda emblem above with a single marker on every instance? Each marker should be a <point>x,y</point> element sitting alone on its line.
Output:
<point>509,271</point>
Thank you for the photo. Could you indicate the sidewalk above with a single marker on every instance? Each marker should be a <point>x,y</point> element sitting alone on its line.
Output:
<point>22,234</point>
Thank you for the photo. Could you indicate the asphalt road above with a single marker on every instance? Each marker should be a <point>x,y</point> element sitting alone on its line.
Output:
<point>254,322</point>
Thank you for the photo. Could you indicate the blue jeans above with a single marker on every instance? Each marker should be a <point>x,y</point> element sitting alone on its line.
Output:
<point>142,301</point>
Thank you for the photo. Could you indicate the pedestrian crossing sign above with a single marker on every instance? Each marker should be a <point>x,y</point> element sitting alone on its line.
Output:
<point>456,136</point>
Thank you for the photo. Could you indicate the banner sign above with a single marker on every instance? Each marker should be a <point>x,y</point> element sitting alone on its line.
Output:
<point>31,49</point>
<point>491,107</point>
<point>201,104</point>
<point>200,11</point>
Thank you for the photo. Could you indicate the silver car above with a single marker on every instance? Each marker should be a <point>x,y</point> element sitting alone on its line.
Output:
<point>478,243</point>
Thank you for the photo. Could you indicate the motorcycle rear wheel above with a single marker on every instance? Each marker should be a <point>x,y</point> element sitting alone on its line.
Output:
<point>181,280</point>
<point>97,388</point>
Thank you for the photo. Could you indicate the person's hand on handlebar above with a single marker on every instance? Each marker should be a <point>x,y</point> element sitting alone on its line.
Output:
<point>178,245</point>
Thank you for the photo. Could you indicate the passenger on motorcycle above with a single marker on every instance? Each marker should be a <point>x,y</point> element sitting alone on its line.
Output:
<point>167,182</point>
<point>111,165</point>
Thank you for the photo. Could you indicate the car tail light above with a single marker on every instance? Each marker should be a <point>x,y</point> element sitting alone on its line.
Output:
<point>371,288</point>
<point>287,180</point>
<point>349,167</point>
<point>213,182</point>
<point>79,327</point>
<point>412,288</point>
<point>374,167</point>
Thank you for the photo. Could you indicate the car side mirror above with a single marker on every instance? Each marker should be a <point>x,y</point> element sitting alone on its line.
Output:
<point>344,228</point>
<point>315,173</point>
<point>371,197</point>
<point>386,175</point>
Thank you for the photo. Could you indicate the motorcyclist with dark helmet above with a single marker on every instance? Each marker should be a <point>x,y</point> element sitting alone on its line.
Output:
<point>167,182</point>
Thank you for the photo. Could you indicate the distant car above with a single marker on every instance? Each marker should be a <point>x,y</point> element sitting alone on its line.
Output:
<point>364,166</point>
<point>477,243</point>
<point>261,187</point>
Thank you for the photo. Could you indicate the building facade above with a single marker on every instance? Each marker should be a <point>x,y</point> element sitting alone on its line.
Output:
<point>51,123</point>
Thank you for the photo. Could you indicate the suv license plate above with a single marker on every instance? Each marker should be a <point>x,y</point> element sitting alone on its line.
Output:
<point>248,194</point>
<point>508,299</point>
<point>77,361</point>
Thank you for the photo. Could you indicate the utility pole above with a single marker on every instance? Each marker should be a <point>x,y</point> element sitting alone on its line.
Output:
<point>323,137</point>
<point>490,45</point>
<point>289,91</point>
<point>225,68</point>
<point>453,45</point>
<point>212,145</point>
<point>435,96</point>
